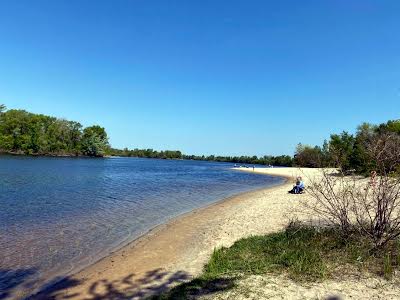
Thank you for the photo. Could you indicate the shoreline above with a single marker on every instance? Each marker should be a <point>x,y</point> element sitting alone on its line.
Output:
<point>82,279</point>
<point>177,251</point>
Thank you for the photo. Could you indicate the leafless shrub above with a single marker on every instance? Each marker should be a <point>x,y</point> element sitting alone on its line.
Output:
<point>369,206</point>
<point>332,200</point>
<point>376,208</point>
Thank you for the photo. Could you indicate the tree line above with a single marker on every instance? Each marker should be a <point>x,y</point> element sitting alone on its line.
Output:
<point>354,152</point>
<point>22,132</point>
<point>147,153</point>
<point>282,160</point>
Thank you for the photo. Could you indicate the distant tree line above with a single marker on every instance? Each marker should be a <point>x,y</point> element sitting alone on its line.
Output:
<point>22,132</point>
<point>282,160</point>
<point>354,152</point>
<point>147,153</point>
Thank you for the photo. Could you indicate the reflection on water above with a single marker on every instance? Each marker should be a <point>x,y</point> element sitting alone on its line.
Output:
<point>57,214</point>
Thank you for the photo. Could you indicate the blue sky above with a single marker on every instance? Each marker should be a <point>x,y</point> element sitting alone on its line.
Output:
<point>205,77</point>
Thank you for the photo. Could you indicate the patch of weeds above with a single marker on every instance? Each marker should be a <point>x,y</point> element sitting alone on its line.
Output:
<point>304,253</point>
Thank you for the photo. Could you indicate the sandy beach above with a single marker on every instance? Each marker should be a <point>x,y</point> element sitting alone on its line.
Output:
<point>177,251</point>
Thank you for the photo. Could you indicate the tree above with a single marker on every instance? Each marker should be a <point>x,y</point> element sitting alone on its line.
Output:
<point>326,156</point>
<point>341,148</point>
<point>27,133</point>
<point>282,160</point>
<point>358,159</point>
<point>390,126</point>
<point>94,141</point>
<point>308,156</point>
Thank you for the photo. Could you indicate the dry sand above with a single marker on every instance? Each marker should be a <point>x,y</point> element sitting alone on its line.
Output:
<point>177,251</point>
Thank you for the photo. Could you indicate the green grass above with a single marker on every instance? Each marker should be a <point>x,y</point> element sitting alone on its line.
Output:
<point>302,253</point>
<point>276,252</point>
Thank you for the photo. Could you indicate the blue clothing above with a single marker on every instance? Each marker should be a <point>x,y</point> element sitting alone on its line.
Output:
<point>298,188</point>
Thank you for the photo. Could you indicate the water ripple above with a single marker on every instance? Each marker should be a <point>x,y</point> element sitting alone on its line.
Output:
<point>56,214</point>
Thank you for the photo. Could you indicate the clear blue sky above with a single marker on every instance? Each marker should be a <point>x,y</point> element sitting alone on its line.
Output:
<point>223,77</point>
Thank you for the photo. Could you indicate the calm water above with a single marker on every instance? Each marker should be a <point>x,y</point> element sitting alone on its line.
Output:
<point>58,214</point>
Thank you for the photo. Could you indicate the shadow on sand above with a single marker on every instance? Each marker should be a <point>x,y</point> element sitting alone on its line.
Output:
<point>154,285</point>
<point>12,280</point>
<point>150,285</point>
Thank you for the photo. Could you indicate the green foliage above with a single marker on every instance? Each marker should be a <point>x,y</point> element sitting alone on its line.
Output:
<point>94,141</point>
<point>359,159</point>
<point>277,252</point>
<point>347,151</point>
<point>341,148</point>
<point>391,126</point>
<point>27,133</point>
<point>22,132</point>
<point>310,157</point>
<point>282,160</point>
<point>387,266</point>
<point>148,153</point>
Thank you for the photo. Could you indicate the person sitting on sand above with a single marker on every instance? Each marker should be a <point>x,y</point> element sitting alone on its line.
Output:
<point>299,187</point>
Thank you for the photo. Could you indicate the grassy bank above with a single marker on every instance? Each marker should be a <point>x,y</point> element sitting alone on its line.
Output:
<point>302,253</point>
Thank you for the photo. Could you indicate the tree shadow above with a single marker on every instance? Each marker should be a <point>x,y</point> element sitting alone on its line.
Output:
<point>151,285</point>
<point>128,287</point>
<point>57,290</point>
<point>11,280</point>
<point>196,288</point>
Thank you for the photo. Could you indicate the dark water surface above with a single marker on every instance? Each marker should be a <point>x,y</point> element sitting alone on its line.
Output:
<point>59,214</point>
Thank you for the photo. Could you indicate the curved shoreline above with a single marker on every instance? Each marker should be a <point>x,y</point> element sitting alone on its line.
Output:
<point>178,251</point>
<point>187,214</point>
<point>159,253</point>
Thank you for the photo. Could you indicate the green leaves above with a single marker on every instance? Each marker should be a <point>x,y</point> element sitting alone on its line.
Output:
<point>94,141</point>
<point>349,152</point>
<point>28,133</point>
